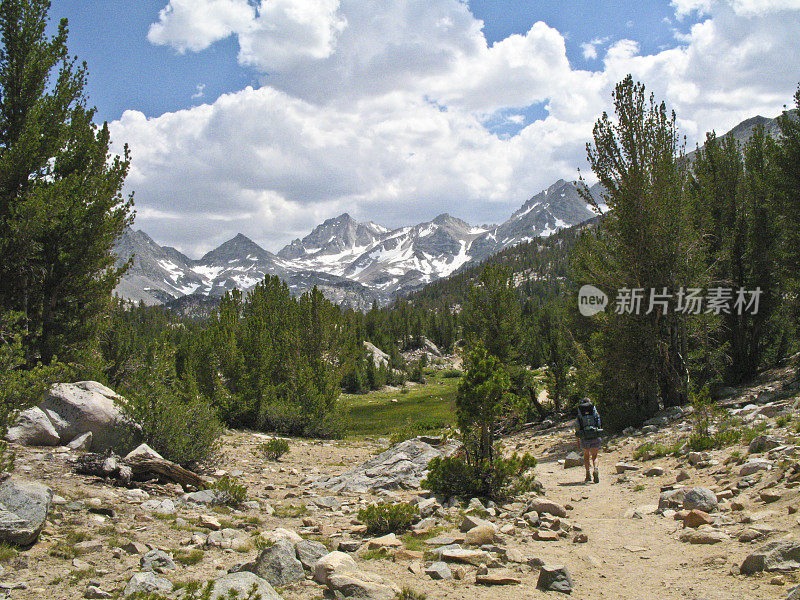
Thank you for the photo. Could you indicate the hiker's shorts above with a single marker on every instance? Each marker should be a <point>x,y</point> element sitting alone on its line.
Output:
<point>591,444</point>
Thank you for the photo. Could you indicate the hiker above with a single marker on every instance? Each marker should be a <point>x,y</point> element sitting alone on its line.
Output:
<point>589,432</point>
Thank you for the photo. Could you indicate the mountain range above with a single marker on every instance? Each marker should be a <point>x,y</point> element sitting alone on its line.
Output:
<point>357,263</point>
<point>351,262</point>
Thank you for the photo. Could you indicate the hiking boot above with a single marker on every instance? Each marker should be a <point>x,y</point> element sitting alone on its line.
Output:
<point>596,476</point>
<point>588,478</point>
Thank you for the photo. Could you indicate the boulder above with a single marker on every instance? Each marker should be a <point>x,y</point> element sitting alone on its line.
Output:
<point>242,582</point>
<point>573,459</point>
<point>309,552</point>
<point>481,535</point>
<point>278,564</point>
<point>75,408</point>
<point>554,578</point>
<point>33,428</point>
<point>362,584</point>
<point>23,510</point>
<point>331,563</point>
<point>462,555</point>
<point>780,555</point>
<point>387,541</point>
<point>147,582</point>
<point>543,505</point>
<point>471,522</point>
<point>762,443</point>
<point>700,498</point>
<point>622,467</point>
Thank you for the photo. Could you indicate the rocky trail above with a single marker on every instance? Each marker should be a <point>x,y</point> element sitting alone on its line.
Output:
<point>721,525</point>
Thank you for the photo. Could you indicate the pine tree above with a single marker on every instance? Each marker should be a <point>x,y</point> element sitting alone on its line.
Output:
<point>61,207</point>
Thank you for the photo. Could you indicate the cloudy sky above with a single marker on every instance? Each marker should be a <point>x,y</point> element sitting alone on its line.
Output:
<point>268,116</point>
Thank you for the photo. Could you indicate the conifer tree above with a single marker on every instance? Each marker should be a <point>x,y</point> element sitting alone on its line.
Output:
<point>61,207</point>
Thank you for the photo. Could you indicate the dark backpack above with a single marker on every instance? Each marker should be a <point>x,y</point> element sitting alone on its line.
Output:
<point>588,422</point>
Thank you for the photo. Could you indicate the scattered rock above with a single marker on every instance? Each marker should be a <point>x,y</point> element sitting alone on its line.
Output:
<point>497,577</point>
<point>700,498</point>
<point>780,555</point>
<point>762,443</point>
<point>147,583</point>
<point>754,466</point>
<point>157,560</point>
<point>23,510</point>
<point>700,536</point>
<point>209,522</point>
<point>770,496</point>
<point>463,555</point>
<point>573,459</point>
<point>654,472</point>
<point>541,535</point>
<point>672,498</point>
<point>386,541</point>
<point>144,451</point>
<point>439,570</point>
<point>481,535</point>
<point>362,584</point>
<point>543,505</point>
<point>682,476</point>
<point>695,518</point>
<point>554,578</point>
<point>623,467</point>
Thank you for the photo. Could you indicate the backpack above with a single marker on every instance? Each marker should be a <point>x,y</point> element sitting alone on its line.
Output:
<point>588,422</point>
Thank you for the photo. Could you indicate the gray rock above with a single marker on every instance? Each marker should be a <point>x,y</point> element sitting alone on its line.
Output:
<point>157,560</point>
<point>147,583</point>
<point>92,591</point>
<point>439,570</point>
<point>203,497</point>
<point>242,582</point>
<point>33,428</point>
<point>160,507</point>
<point>144,451</point>
<point>573,460</point>
<point>429,507</point>
<point>554,578</point>
<point>754,466</point>
<point>402,466</point>
<point>309,552</point>
<point>23,510</point>
<point>278,564</point>
<point>75,408</point>
<point>780,555</point>
<point>700,498</point>
<point>762,443</point>
<point>82,443</point>
<point>794,593</point>
<point>363,585</point>
<point>672,498</point>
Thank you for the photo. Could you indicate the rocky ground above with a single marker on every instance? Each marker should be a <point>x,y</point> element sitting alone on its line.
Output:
<point>719,525</point>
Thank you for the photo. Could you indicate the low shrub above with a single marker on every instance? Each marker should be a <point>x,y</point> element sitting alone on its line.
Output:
<point>499,479</point>
<point>388,517</point>
<point>274,448</point>
<point>229,491</point>
<point>653,450</point>
<point>452,373</point>
<point>409,594</point>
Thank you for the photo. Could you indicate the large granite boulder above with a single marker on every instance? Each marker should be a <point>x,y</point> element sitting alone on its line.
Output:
<point>75,408</point>
<point>279,565</point>
<point>145,583</point>
<point>33,427</point>
<point>23,510</point>
<point>402,466</point>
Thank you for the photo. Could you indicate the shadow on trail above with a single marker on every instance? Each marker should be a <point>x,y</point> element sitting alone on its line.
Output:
<point>573,483</point>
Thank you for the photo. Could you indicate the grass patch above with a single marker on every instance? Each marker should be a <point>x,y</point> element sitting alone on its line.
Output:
<point>66,548</point>
<point>422,407</point>
<point>415,542</point>
<point>409,594</point>
<point>653,450</point>
<point>7,552</point>
<point>188,558</point>
<point>639,488</point>
<point>376,554</point>
<point>290,511</point>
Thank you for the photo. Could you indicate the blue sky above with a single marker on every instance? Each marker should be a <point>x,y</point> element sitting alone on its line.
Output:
<point>128,72</point>
<point>268,116</point>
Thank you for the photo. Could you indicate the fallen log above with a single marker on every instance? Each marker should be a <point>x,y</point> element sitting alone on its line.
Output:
<point>138,468</point>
